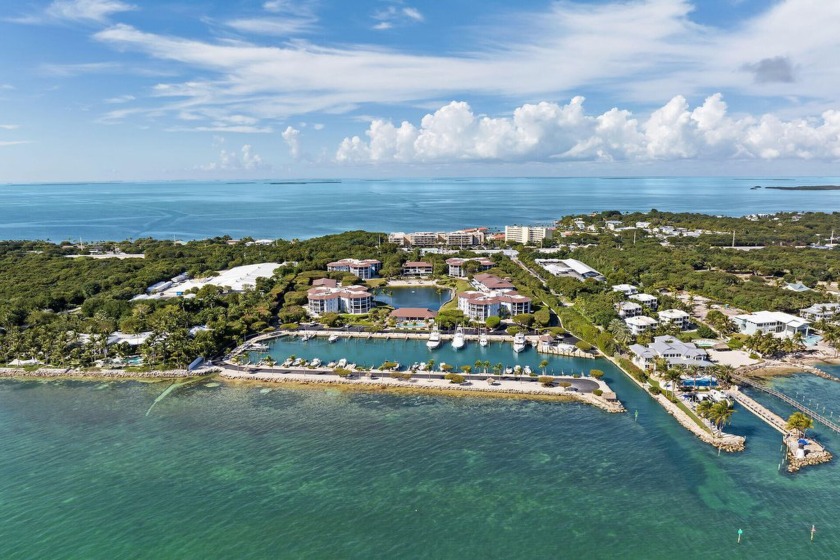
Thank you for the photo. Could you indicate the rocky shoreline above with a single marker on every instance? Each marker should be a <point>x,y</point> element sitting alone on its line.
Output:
<point>69,373</point>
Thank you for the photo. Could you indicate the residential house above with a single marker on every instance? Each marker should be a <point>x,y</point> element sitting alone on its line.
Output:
<point>675,317</point>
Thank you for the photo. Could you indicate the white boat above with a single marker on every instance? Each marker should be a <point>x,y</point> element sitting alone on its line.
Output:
<point>342,363</point>
<point>519,342</point>
<point>527,370</point>
<point>458,339</point>
<point>259,347</point>
<point>434,340</point>
<point>333,337</point>
<point>331,365</point>
<point>482,339</point>
<point>315,363</point>
<point>306,336</point>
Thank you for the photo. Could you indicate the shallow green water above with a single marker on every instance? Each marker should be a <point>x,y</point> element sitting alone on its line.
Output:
<point>235,472</point>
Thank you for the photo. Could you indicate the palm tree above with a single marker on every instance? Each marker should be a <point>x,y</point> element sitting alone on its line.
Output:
<point>721,413</point>
<point>543,365</point>
<point>674,376</point>
<point>799,422</point>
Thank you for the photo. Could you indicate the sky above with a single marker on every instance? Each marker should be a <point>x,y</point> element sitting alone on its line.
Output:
<point>100,90</point>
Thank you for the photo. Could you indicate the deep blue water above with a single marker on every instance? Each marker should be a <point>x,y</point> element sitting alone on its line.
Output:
<point>199,210</point>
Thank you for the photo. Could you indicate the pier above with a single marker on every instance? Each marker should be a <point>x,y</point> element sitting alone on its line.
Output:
<point>794,403</point>
<point>798,456</point>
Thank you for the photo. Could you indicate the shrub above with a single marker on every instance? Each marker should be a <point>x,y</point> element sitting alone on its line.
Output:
<point>492,322</point>
<point>565,384</point>
<point>654,390</point>
<point>754,356</point>
<point>546,381</point>
<point>512,330</point>
<point>596,373</point>
<point>342,372</point>
<point>583,346</point>
<point>455,378</point>
<point>597,392</point>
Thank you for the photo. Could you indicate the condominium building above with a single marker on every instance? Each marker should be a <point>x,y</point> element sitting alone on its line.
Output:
<point>457,268</point>
<point>355,300</point>
<point>461,238</point>
<point>478,305</point>
<point>492,283</point>
<point>675,317</point>
<point>527,234</point>
<point>364,269</point>
<point>418,268</point>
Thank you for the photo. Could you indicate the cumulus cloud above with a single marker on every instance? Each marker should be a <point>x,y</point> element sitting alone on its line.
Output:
<point>243,160</point>
<point>551,132</point>
<point>291,136</point>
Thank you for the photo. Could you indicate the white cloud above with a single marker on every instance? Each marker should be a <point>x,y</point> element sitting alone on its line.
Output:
<point>76,10</point>
<point>9,126</point>
<point>6,87</point>
<point>273,26</point>
<point>644,50</point>
<point>95,10</point>
<point>69,70</point>
<point>291,136</point>
<point>14,142</point>
<point>394,16</point>
<point>243,160</point>
<point>550,132</point>
<point>120,99</point>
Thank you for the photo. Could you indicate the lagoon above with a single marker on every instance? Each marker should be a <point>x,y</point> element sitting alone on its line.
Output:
<point>429,297</point>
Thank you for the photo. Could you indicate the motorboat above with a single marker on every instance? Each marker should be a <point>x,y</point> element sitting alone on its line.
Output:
<point>333,337</point>
<point>527,370</point>
<point>434,340</point>
<point>482,340</point>
<point>342,363</point>
<point>315,363</point>
<point>519,342</point>
<point>458,339</point>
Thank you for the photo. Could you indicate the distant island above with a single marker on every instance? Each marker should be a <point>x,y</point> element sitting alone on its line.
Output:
<point>807,188</point>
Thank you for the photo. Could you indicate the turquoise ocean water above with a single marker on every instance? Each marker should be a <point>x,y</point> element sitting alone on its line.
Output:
<point>264,210</point>
<point>234,472</point>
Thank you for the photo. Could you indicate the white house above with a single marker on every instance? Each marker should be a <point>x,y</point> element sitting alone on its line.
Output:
<point>355,300</point>
<point>821,311</point>
<point>641,324</point>
<point>674,351</point>
<point>417,268</point>
<point>457,268</point>
<point>675,317</point>
<point>478,305</point>
<point>649,301</point>
<point>626,289</point>
<point>628,309</point>
<point>770,322</point>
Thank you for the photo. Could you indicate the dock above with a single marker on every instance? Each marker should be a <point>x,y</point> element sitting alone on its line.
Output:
<point>797,456</point>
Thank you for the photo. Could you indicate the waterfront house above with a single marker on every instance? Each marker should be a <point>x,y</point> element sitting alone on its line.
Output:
<point>771,322</point>
<point>417,268</point>
<point>364,269</point>
<point>797,287</point>
<point>411,315</point>
<point>626,289</point>
<point>674,351</point>
<point>457,266</point>
<point>821,312</point>
<point>641,324</point>
<point>355,300</point>
<point>647,300</point>
<point>675,317</point>
<point>628,309</point>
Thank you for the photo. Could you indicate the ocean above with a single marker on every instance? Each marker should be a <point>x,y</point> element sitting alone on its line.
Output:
<point>184,210</point>
<point>232,471</point>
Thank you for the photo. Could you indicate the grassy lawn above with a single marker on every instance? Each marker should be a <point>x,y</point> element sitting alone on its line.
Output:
<point>460,286</point>
<point>691,415</point>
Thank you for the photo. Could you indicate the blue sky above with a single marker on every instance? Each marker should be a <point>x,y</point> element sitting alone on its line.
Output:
<point>157,89</point>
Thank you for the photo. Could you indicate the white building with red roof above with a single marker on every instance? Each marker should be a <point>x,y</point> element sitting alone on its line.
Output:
<point>457,268</point>
<point>418,268</point>
<point>355,300</point>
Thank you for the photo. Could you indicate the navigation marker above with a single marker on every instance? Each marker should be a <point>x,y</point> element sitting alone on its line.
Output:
<point>740,532</point>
